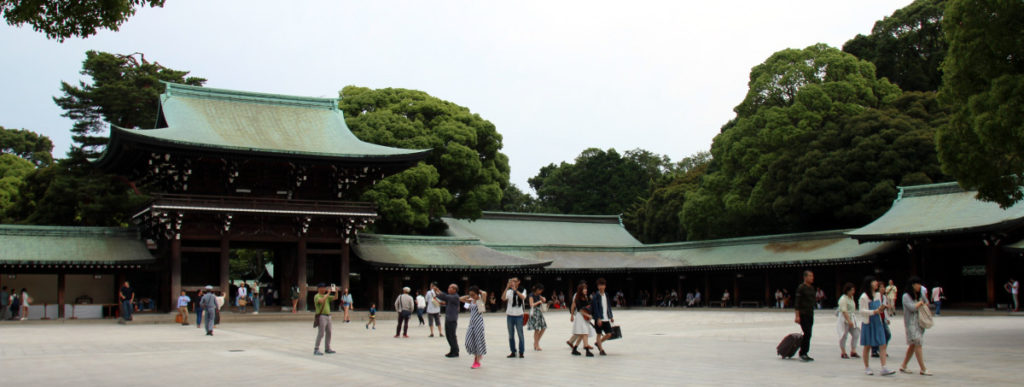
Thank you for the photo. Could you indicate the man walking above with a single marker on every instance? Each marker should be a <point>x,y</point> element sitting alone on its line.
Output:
<point>514,315</point>
<point>209,306</point>
<point>938,294</point>
<point>603,317</point>
<point>451,318</point>
<point>127,297</point>
<point>421,305</point>
<point>404,305</point>
<point>183,301</point>
<point>322,306</point>
<point>434,309</point>
<point>804,306</point>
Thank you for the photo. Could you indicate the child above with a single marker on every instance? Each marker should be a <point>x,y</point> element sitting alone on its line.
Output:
<point>373,317</point>
<point>475,343</point>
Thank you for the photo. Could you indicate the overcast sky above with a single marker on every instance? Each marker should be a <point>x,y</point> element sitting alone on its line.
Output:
<point>555,77</point>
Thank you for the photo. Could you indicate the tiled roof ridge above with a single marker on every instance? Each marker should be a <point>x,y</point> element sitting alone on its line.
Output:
<point>176,89</point>
<point>573,218</point>
<point>369,237</point>
<point>65,231</point>
<point>930,189</point>
<point>771,238</point>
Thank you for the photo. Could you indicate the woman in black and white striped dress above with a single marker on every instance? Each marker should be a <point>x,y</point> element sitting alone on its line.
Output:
<point>475,343</point>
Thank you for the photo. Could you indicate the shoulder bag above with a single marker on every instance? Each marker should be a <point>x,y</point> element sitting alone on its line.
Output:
<point>924,317</point>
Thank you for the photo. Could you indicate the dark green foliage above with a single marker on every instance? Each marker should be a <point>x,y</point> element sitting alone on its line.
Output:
<point>465,174</point>
<point>599,182</point>
<point>27,145</point>
<point>515,200</point>
<point>983,144</point>
<point>818,143</point>
<point>124,91</point>
<point>907,47</point>
<point>656,218</point>
<point>62,19</point>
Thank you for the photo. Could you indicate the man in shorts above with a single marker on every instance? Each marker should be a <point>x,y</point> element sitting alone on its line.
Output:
<point>434,310</point>
<point>603,317</point>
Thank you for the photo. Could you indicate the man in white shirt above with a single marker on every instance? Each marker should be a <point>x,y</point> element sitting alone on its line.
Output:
<point>421,305</point>
<point>937,296</point>
<point>514,315</point>
<point>603,317</point>
<point>1013,287</point>
<point>434,310</point>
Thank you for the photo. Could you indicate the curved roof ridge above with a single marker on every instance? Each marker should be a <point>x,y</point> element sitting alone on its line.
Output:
<point>38,230</point>
<point>177,89</point>
<point>930,189</point>
<point>772,238</point>
<point>500,215</point>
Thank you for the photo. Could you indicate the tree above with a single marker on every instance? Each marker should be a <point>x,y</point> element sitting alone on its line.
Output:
<point>515,200</point>
<point>124,91</point>
<point>465,174</point>
<point>62,19</point>
<point>656,218</point>
<point>599,182</point>
<point>907,47</point>
<point>27,145</point>
<point>983,143</point>
<point>13,170</point>
<point>818,143</point>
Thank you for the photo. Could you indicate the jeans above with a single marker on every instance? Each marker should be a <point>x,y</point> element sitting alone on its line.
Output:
<point>126,310</point>
<point>199,317</point>
<point>324,328</point>
<point>449,332</point>
<point>403,317</point>
<point>938,307</point>
<point>515,325</point>
<point>806,325</point>
<point>256,303</point>
<point>419,315</point>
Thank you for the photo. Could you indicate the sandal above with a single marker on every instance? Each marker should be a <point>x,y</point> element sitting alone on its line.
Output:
<point>925,373</point>
<point>905,371</point>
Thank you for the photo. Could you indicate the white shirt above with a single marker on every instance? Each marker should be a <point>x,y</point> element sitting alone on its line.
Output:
<point>431,307</point>
<point>1014,287</point>
<point>511,297</point>
<point>936,294</point>
<point>604,306</point>
<point>421,302</point>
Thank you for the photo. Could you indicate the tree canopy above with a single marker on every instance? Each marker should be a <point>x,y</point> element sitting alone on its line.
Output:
<point>983,143</point>
<point>818,142</point>
<point>62,19</point>
<point>907,47</point>
<point>27,145</point>
<point>465,174</point>
<point>655,219</point>
<point>124,91</point>
<point>598,181</point>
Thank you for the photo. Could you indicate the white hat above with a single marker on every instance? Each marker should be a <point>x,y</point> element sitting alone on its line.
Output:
<point>209,287</point>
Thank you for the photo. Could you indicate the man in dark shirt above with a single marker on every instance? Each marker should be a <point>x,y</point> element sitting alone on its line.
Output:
<point>451,318</point>
<point>804,306</point>
<point>127,297</point>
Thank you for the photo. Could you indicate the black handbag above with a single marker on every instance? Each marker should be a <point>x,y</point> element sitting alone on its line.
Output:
<point>616,333</point>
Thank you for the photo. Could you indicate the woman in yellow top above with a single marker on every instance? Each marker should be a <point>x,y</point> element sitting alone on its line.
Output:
<point>847,324</point>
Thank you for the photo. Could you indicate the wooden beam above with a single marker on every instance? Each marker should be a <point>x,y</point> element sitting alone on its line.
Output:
<point>345,265</point>
<point>61,286</point>
<point>224,267</point>
<point>990,275</point>
<point>197,249</point>
<point>324,251</point>
<point>175,270</point>
<point>300,273</point>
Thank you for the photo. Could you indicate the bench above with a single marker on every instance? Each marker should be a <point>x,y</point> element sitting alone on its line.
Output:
<point>755,304</point>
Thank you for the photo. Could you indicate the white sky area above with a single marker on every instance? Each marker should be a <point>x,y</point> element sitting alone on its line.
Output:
<point>555,77</point>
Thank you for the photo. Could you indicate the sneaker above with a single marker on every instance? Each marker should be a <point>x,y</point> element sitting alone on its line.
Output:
<point>887,372</point>
<point>575,352</point>
<point>329,351</point>
<point>452,355</point>
<point>521,355</point>
<point>511,355</point>
<point>868,371</point>
<point>367,326</point>
<point>396,336</point>
<point>475,365</point>
<point>806,358</point>
<point>317,353</point>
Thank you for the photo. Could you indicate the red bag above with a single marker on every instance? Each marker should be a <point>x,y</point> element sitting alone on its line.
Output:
<point>526,318</point>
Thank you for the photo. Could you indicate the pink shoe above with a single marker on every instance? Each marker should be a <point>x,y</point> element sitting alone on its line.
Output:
<point>475,365</point>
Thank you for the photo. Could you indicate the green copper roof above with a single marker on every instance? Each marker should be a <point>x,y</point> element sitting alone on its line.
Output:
<point>47,245</point>
<point>505,228</point>
<point>216,119</point>
<point>1017,246</point>
<point>435,252</point>
<point>937,209</point>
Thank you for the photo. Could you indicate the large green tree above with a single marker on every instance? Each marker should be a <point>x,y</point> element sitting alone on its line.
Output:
<point>819,142</point>
<point>907,47</point>
<point>656,218</point>
<point>13,170</point>
<point>62,19</point>
<point>123,90</point>
<point>28,145</point>
<point>598,181</point>
<point>983,144</point>
<point>465,174</point>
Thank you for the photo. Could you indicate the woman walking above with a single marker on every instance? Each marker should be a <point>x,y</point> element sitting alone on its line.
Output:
<point>915,334</point>
<point>581,328</point>
<point>847,324</point>
<point>346,304</point>
<point>537,324</point>
<point>475,343</point>
<point>872,331</point>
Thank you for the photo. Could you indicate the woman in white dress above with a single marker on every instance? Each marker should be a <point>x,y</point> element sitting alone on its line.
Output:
<point>580,317</point>
<point>25,301</point>
<point>475,340</point>
<point>912,300</point>
<point>847,323</point>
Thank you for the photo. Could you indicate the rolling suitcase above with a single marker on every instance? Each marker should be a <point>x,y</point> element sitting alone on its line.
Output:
<point>789,345</point>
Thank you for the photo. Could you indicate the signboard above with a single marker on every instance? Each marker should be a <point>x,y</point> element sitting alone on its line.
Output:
<point>973,270</point>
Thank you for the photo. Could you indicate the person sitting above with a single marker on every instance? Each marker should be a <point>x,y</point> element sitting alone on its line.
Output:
<point>689,299</point>
<point>725,298</point>
<point>696,298</point>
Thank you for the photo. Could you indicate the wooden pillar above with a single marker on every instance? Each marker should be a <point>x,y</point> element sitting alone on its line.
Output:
<point>735,290</point>
<point>380,289</point>
<point>300,273</point>
<point>990,275</point>
<point>839,287</point>
<point>345,254</point>
<point>707,289</point>
<point>175,269</point>
<point>915,257</point>
<point>61,286</point>
<point>769,297</point>
<point>225,267</point>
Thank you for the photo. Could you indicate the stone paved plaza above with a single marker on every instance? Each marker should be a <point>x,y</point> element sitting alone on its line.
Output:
<point>675,347</point>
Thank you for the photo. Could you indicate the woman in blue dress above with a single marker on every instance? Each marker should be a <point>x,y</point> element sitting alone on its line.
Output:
<point>872,332</point>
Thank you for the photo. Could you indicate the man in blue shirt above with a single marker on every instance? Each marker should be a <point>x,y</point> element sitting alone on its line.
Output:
<point>183,301</point>
<point>451,318</point>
